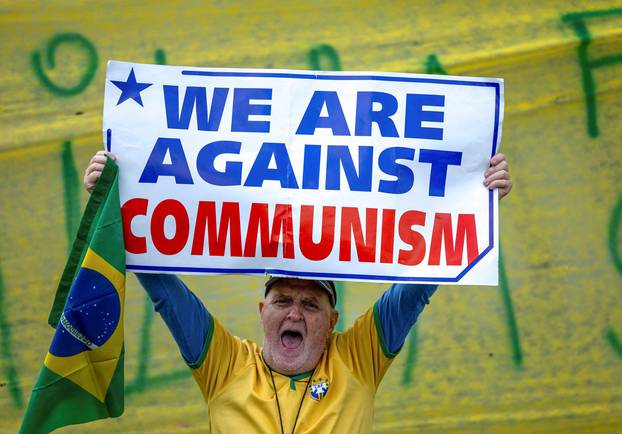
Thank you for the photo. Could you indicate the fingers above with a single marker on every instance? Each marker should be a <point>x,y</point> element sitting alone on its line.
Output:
<point>94,169</point>
<point>500,180</point>
<point>91,180</point>
<point>501,165</point>
<point>503,186</point>
<point>498,175</point>
<point>497,158</point>
<point>100,157</point>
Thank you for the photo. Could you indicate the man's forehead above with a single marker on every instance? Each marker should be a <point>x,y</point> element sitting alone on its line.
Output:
<point>295,282</point>
<point>300,287</point>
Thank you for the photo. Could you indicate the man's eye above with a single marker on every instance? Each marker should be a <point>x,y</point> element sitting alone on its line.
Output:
<point>311,305</point>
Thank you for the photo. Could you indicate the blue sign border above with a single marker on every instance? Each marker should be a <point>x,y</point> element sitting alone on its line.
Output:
<point>337,276</point>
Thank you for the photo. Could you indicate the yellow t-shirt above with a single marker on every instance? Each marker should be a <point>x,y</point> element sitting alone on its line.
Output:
<point>236,383</point>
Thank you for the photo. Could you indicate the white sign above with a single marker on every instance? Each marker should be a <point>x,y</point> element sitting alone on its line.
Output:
<point>339,175</point>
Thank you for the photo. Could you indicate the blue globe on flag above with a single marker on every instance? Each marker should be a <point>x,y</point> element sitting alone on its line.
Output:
<point>90,316</point>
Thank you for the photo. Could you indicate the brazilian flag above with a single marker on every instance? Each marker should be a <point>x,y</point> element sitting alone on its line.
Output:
<point>82,376</point>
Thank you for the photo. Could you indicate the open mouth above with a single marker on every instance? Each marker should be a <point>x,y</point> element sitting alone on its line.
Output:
<point>291,339</point>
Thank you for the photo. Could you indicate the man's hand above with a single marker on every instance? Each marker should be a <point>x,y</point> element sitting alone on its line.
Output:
<point>498,175</point>
<point>94,169</point>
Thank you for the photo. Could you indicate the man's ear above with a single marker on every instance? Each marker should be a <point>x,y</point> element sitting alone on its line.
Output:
<point>334,316</point>
<point>261,306</point>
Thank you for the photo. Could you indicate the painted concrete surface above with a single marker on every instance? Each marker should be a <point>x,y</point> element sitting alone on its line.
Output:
<point>541,353</point>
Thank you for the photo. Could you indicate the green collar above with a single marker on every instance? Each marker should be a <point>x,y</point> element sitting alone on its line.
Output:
<point>292,378</point>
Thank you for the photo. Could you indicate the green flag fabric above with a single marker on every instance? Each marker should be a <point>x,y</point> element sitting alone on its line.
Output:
<point>82,376</point>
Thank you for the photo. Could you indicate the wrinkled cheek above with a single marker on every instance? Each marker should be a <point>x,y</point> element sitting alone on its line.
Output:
<point>318,343</point>
<point>271,342</point>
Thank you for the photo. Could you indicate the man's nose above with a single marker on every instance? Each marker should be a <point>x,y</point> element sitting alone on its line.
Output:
<point>295,313</point>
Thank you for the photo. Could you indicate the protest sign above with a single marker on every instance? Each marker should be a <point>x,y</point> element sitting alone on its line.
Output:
<point>341,175</point>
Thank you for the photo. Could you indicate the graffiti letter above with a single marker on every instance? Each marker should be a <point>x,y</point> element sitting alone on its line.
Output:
<point>80,42</point>
<point>327,51</point>
<point>10,369</point>
<point>577,20</point>
<point>614,245</point>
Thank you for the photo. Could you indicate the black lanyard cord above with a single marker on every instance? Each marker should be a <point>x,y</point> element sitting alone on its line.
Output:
<point>278,405</point>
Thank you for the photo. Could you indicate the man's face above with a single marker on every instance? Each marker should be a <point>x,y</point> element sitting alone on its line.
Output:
<point>297,320</point>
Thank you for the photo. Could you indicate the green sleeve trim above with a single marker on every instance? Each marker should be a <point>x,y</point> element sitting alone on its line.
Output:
<point>383,342</point>
<point>83,238</point>
<point>206,345</point>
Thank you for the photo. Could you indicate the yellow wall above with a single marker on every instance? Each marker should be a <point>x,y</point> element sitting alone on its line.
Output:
<point>540,353</point>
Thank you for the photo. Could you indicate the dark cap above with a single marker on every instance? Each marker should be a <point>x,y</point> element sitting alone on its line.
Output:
<point>326,285</point>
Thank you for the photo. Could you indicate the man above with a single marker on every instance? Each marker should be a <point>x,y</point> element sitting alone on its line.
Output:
<point>306,378</point>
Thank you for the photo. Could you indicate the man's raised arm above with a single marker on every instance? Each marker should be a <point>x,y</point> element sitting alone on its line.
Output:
<point>182,311</point>
<point>399,307</point>
<point>184,314</point>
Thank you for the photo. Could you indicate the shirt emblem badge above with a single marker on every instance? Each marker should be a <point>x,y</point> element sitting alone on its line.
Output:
<point>319,388</point>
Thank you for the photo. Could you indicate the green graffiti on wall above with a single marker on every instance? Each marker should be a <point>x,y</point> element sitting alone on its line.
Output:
<point>433,65</point>
<point>324,57</point>
<point>578,21</point>
<point>10,367</point>
<point>614,249</point>
<point>510,317</point>
<point>80,43</point>
<point>71,193</point>
<point>160,56</point>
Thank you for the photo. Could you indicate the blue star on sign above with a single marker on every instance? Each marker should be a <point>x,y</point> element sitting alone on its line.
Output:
<point>130,88</point>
